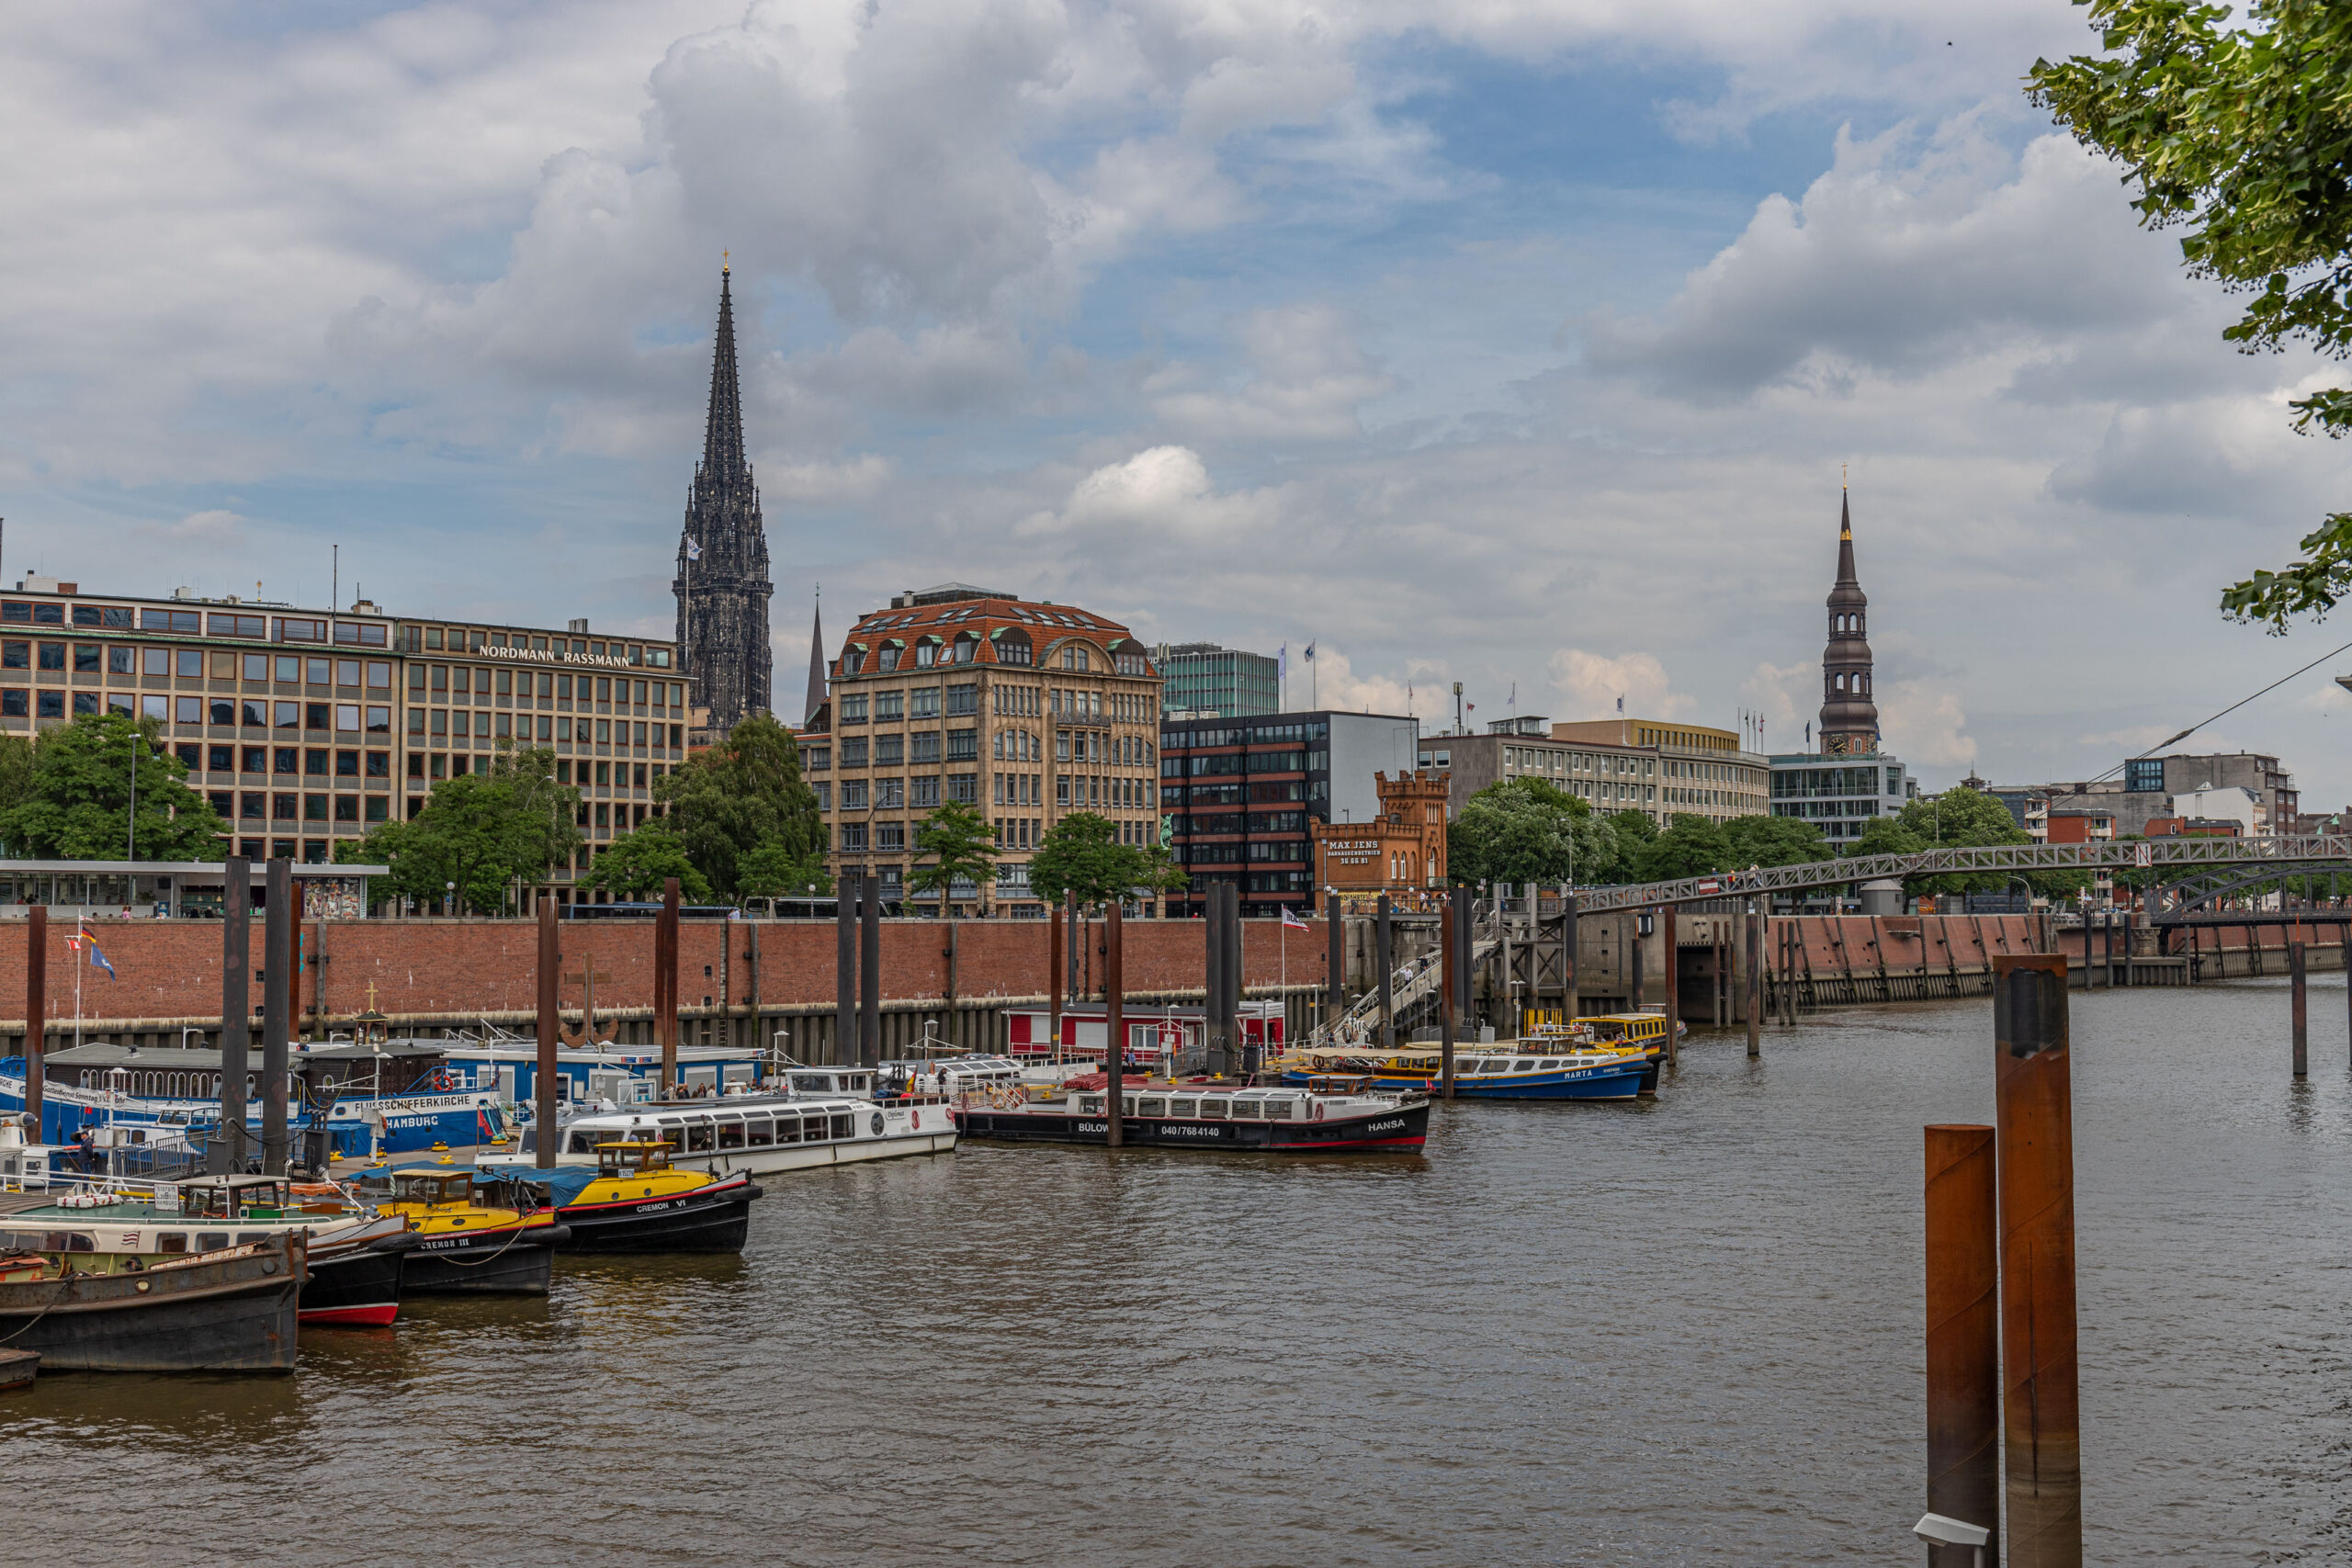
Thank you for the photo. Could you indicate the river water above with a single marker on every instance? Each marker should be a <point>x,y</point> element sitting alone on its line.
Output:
<point>1682,1331</point>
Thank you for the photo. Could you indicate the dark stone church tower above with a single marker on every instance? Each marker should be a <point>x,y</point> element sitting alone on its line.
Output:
<point>722,578</point>
<point>1848,717</point>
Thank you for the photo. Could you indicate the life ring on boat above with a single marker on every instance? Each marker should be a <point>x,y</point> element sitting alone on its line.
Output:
<point>1315,1112</point>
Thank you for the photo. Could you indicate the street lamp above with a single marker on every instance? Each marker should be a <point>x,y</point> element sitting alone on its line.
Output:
<point>448,898</point>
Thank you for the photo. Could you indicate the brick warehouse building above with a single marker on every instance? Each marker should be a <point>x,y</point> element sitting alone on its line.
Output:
<point>304,726</point>
<point>1028,710</point>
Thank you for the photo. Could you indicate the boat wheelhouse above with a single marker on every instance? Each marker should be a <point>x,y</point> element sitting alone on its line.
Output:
<point>464,1245</point>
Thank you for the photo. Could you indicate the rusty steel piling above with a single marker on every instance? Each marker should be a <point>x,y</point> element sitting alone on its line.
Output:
<point>1672,941</point>
<point>2297,986</point>
<point>1752,940</point>
<point>1963,1333</point>
<point>1445,993</point>
<point>544,1070</point>
<point>665,985</point>
<point>36,1020</point>
<point>277,997</point>
<point>228,1154</point>
<point>2042,1423</point>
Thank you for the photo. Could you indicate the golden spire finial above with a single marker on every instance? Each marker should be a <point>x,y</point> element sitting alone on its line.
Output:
<point>725,261</point>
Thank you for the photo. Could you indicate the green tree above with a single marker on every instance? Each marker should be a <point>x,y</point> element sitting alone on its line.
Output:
<point>16,770</point>
<point>481,831</point>
<point>773,871</point>
<point>1691,846</point>
<point>636,865</point>
<point>1527,829</point>
<point>1081,855</point>
<point>76,797</point>
<point>1774,841</point>
<point>742,794</point>
<point>958,843</point>
<point>2234,125</point>
<point>1631,833</point>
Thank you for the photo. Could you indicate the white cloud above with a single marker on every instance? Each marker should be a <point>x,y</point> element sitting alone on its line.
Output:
<point>1308,380</point>
<point>1922,723</point>
<point>1589,685</point>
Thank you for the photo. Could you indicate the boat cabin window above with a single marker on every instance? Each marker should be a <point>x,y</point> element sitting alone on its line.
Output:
<point>172,1241</point>
<point>626,1159</point>
<point>66,1241</point>
<point>1152,1107</point>
<point>1213,1108</point>
<point>1181,1107</point>
<point>731,1134</point>
<point>1548,1066</point>
<point>1523,1066</point>
<point>582,1143</point>
<point>845,1126</point>
<point>432,1186</point>
<point>252,1238</point>
<point>758,1133</point>
<point>1092,1104</point>
<point>698,1135</point>
<point>1245,1110</point>
<point>212,1241</point>
<point>813,1083</point>
<point>1282,1110</point>
<point>787,1129</point>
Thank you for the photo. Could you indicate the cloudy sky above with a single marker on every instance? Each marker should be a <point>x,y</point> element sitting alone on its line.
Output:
<point>1522,343</point>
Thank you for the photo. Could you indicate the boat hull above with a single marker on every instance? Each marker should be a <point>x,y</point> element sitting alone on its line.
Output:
<point>710,1219</point>
<point>359,1287</point>
<point>233,1313</point>
<point>1627,1082</point>
<point>503,1262</point>
<point>1401,1131</point>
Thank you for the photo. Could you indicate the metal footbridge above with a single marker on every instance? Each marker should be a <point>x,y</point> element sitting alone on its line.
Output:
<point>2251,860</point>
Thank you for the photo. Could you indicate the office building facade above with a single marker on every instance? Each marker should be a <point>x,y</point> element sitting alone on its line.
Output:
<point>1240,797</point>
<point>1839,795</point>
<point>1026,710</point>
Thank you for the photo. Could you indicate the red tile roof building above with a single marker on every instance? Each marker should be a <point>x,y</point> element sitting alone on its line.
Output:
<point>1028,710</point>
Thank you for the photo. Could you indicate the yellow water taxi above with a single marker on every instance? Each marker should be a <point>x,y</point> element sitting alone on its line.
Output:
<point>465,1245</point>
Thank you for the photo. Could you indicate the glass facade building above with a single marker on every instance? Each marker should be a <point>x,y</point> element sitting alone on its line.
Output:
<point>1204,680</point>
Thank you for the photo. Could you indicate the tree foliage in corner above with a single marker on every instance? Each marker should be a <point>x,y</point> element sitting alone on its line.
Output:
<point>2237,128</point>
<point>1528,829</point>
<point>636,865</point>
<point>742,795</point>
<point>73,800</point>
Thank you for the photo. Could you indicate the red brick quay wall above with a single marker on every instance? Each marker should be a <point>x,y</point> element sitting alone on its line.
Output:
<point>740,981</point>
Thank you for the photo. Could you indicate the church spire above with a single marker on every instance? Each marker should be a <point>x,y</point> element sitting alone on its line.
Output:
<point>723,439</point>
<point>1848,716</point>
<point>816,663</point>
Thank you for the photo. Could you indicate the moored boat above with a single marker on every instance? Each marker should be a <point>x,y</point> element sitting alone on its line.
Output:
<point>634,1200</point>
<point>1481,1073</point>
<point>464,1245</point>
<point>754,1134</point>
<point>1350,1117</point>
<point>229,1311</point>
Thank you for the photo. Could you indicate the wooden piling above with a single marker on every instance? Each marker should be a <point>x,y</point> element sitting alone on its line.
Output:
<point>228,1154</point>
<point>1752,938</point>
<point>37,1021</point>
<point>551,1024</point>
<point>1963,1330</point>
<point>1114,1039</point>
<point>1673,985</point>
<point>665,985</point>
<point>278,953</point>
<point>2296,964</point>
<point>2040,1395</point>
<point>845,892</point>
<point>1445,993</point>
<point>869,976</point>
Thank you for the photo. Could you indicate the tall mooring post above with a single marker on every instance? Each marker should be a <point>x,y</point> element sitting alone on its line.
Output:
<point>37,1023</point>
<point>1054,980</point>
<point>1462,911</point>
<point>1636,958</point>
<point>2041,1425</point>
<point>279,930</point>
<point>1445,995</point>
<point>1963,1336</point>
<point>228,1155</point>
<point>544,1071</point>
<point>1382,951</point>
<point>1335,959</point>
<point>1212,1037</point>
<point>1114,1038</point>
<point>1248,1057</point>
<point>1670,939</point>
<point>846,969</point>
<point>869,976</point>
<point>665,985</point>
<point>2297,965</point>
<point>1752,940</point>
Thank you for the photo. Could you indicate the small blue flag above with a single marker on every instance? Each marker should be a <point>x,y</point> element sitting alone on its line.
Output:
<point>99,961</point>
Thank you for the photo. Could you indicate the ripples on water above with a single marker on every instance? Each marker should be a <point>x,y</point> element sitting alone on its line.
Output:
<point>1682,1331</point>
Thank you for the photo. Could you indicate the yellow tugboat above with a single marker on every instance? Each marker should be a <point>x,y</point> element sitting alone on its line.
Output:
<point>634,1200</point>
<point>467,1246</point>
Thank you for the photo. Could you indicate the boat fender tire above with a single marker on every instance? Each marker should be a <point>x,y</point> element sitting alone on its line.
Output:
<point>551,1235</point>
<point>403,1241</point>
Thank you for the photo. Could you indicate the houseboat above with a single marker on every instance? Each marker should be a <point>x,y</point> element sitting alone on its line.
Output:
<point>233,1310</point>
